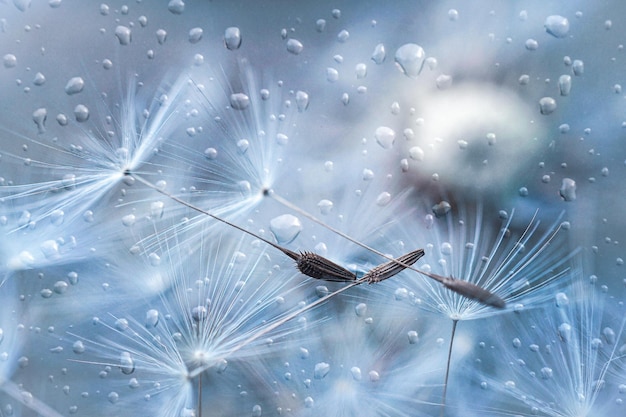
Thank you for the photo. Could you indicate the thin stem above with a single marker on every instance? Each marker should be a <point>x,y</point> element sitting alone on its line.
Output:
<point>445,382</point>
<point>200,395</point>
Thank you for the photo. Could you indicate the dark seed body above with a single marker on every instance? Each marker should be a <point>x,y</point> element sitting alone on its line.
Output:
<point>318,267</point>
<point>474,292</point>
<point>391,268</point>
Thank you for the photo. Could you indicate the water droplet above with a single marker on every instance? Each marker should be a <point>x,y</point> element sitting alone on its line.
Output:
<point>325,206</point>
<point>199,313</point>
<point>385,137</point>
<point>561,299</point>
<point>565,84</point>
<point>383,199</point>
<point>441,209</point>
<point>557,26</point>
<point>39,117</point>
<point>239,101</point>
<point>154,259</point>
<point>123,34</point>
<point>410,59</point>
<point>374,376</point>
<point>156,209</point>
<point>127,365</point>
<point>320,25</point>
<point>332,74</point>
<point>1,335</point>
<point>257,411</point>
<point>360,309</point>
<point>161,36</point>
<point>446,249</point>
<point>113,397</point>
<point>531,44</point>
<point>609,335</point>
<point>309,402</point>
<point>152,318</point>
<point>568,189</point>
<point>21,5</point>
<point>39,79</point>
<point>176,6</point>
<point>9,61</point>
<point>343,36</point>
<point>294,46</point>
<point>546,373</point>
<point>285,228</point>
<point>302,101</point>
<point>547,105</point>
<point>74,85</point>
<point>78,347</point>
<point>81,113</point>
<point>128,220</point>
<point>195,35</point>
<point>565,332</point>
<point>416,153</point>
<point>321,370</point>
<point>413,337</point>
<point>443,82</point>
<point>282,139</point>
<point>379,54</point>
<point>578,67</point>
<point>60,287</point>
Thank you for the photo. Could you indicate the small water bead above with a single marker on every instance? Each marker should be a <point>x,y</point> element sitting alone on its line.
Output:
<point>257,411</point>
<point>321,370</point>
<point>39,79</point>
<point>81,113</point>
<point>578,67</point>
<point>302,100</point>
<point>531,44</point>
<point>325,206</point>
<point>379,54</point>
<point>453,15</point>
<point>195,35</point>
<point>441,209</point>
<point>413,337</point>
<point>565,84</point>
<point>9,61</point>
<point>410,59</point>
<point>152,318</point>
<point>385,137</point>
<point>78,347</point>
<point>343,36</point>
<point>74,86</point>
<point>285,228</point>
<point>309,402</point>
<point>332,74</point>
<point>232,38</point>
<point>546,372</point>
<point>401,294</point>
<point>373,376</point>
<point>360,70</point>
<point>568,189</point>
<point>565,332</point>
<point>154,259</point>
<point>239,101</point>
<point>113,397</point>
<point>123,35</point>
<point>547,105</point>
<point>39,117</point>
<point>557,26</point>
<point>443,82</point>
<point>161,36</point>
<point>383,199</point>
<point>561,299</point>
<point>176,6</point>
<point>127,365</point>
<point>294,46</point>
<point>360,309</point>
<point>60,287</point>
<point>356,373</point>
<point>320,25</point>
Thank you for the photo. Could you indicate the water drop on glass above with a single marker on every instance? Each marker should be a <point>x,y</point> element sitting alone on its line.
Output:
<point>410,59</point>
<point>568,189</point>
<point>39,117</point>
<point>360,309</point>
<point>123,35</point>
<point>557,26</point>
<point>152,318</point>
<point>385,136</point>
<point>239,101</point>
<point>285,228</point>
<point>343,36</point>
<point>383,199</point>
<point>374,376</point>
<point>294,46</point>
<point>39,79</point>
<point>9,61</point>
<point>302,100</point>
<point>195,35</point>
<point>531,44</point>
<point>321,370</point>
<point>127,365</point>
<point>320,25</point>
<point>565,84</point>
<point>547,105</point>
<point>78,347</point>
<point>413,337</point>
<point>161,36</point>
<point>154,259</point>
<point>74,86</point>
<point>325,206</point>
<point>578,67</point>
<point>360,70</point>
<point>176,6</point>
<point>441,209</point>
<point>81,113</point>
<point>232,38</point>
<point>332,74</point>
<point>379,54</point>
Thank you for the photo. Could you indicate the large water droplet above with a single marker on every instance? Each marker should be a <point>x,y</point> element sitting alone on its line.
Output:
<point>285,228</point>
<point>123,34</point>
<point>81,113</point>
<point>239,101</point>
<point>565,84</point>
<point>127,365</point>
<point>547,105</point>
<point>568,189</point>
<point>410,59</point>
<point>321,370</point>
<point>557,26</point>
<point>379,54</point>
<point>39,117</point>
<point>385,136</point>
<point>294,46</point>
<point>74,85</point>
<point>232,38</point>
<point>176,6</point>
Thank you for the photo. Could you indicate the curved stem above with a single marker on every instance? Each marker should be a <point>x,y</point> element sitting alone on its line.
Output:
<point>445,382</point>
